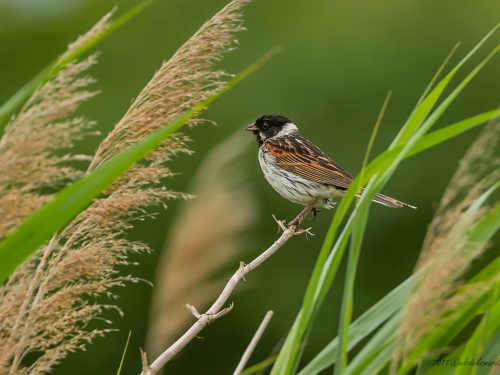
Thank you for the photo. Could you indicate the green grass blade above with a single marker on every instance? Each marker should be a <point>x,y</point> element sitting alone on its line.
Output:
<point>487,227</point>
<point>375,185</point>
<point>358,232</point>
<point>438,73</point>
<point>124,353</point>
<point>427,141</point>
<point>423,366</point>
<point>259,366</point>
<point>327,262</point>
<point>481,232</point>
<point>389,167</point>
<point>385,336</point>
<point>379,362</point>
<point>491,353</point>
<point>464,314</point>
<point>14,102</point>
<point>374,134</point>
<point>377,346</point>
<point>421,111</point>
<point>448,132</point>
<point>56,214</point>
<point>362,327</point>
<point>483,332</point>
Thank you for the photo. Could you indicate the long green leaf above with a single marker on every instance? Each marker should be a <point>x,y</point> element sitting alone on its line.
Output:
<point>9,107</point>
<point>379,181</point>
<point>483,332</point>
<point>348,298</point>
<point>56,214</point>
<point>124,353</point>
<point>259,366</point>
<point>376,347</point>
<point>362,327</point>
<point>422,110</point>
<point>461,317</point>
<point>426,142</point>
<point>491,353</point>
<point>481,232</point>
<point>327,263</point>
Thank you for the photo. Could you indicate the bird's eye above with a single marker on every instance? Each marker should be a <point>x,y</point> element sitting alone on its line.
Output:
<point>265,126</point>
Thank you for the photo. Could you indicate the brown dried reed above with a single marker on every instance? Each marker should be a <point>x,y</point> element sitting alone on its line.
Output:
<point>208,235</point>
<point>29,161</point>
<point>49,301</point>
<point>446,253</point>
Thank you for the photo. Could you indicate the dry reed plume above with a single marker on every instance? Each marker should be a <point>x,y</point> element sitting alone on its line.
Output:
<point>446,252</point>
<point>48,301</point>
<point>29,162</point>
<point>196,250</point>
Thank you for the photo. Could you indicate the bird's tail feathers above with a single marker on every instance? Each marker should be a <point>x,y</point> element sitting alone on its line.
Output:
<point>390,202</point>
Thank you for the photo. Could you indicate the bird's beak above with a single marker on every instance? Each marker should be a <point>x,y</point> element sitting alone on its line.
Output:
<point>252,128</point>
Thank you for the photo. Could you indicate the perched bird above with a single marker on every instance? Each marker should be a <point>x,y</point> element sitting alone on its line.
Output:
<point>298,170</point>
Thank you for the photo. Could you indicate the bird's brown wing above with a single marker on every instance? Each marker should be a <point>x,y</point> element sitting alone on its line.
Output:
<point>297,155</point>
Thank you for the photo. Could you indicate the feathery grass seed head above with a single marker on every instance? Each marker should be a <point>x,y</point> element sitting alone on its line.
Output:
<point>49,301</point>
<point>447,253</point>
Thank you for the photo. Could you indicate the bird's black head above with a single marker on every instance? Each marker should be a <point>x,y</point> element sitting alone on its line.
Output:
<point>268,126</point>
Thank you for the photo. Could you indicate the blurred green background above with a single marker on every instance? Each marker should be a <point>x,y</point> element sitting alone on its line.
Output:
<point>339,61</point>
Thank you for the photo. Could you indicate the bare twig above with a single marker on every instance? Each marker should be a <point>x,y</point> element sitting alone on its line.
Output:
<point>214,312</point>
<point>145,367</point>
<point>248,352</point>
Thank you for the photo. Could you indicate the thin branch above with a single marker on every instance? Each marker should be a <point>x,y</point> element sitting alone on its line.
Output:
<point>215,312</point>
<point>248,352</point>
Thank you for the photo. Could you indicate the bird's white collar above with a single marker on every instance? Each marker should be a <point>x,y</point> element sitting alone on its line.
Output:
<point>287,129</point>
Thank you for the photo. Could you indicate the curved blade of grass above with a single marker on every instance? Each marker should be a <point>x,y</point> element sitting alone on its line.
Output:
<point>441,135</point>
<point>481,232</point>
<point>423,366</point>
<point>374,134</point>
<point>464,314</point>
<point>358,230</point>
<point>56,214</point>
<point>483,332</point>
<point>429,122</point>
<point>259,366</point>
<point>327,263</point>
<point>9,107</point>
<point>376,347</point>
<point>386,335</point>
<point>438,73</point>
<point>388,167</point>
<point>421,111</point>
<point>449,330</point>
<point>124,353</point>
<point>363,326</point>
<point>425,143</point>
<point>491,353</point>
<point>355,248</point>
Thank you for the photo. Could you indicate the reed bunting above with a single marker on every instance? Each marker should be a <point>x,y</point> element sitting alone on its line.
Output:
<point>298,170</point>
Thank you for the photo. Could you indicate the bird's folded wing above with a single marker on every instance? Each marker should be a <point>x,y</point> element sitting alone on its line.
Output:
<point>299,156</point>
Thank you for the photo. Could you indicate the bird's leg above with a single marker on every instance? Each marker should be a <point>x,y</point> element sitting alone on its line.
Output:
<point>296,222</point>
<point>315,212</point>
